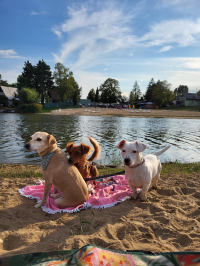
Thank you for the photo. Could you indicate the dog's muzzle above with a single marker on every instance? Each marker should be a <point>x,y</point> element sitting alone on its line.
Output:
<point>27,146</point>
<point>70,160</point>
<point>127,161</point>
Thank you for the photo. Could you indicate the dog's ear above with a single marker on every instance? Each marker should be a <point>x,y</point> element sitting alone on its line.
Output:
<point>121,144</point>
<point>51,139</point>
<point>85,148</point>
<point>140,146</point>
<point>69,146</point>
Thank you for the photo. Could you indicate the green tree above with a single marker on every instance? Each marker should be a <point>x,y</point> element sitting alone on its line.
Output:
<point>124,99</point>
<point>28,96</point>
<point>43,80</point>
<point>65,82</point>
<point>3,82</point>
<point>26,79</point>
<point>162,93</point>
<point>181,88</point>
<point>97,95</point>
<point>91,95</point>
<point>149,92</point>
<point>131,98</point>
<point>110,91</point>
<point>136,91</point>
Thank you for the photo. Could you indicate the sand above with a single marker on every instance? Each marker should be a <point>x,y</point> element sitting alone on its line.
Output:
<point>154,113</point>
<point>168,221</point>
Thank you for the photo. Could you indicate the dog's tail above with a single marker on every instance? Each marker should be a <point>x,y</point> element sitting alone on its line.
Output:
<point>97,149</point>
<point>162,151</point>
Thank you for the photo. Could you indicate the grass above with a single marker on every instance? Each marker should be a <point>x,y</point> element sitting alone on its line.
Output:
<point>27,171</point>
<point>181,108</point>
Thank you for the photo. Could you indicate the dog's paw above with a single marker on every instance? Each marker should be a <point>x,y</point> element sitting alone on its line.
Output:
<point>143,197</point>
<point>38,205</point>
<point>133,197</point>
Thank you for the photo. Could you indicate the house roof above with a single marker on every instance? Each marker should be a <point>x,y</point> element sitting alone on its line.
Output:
<point>9,91</point>
<point>191,96</point>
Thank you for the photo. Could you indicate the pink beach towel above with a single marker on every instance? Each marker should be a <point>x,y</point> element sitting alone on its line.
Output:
<point>105,194</point>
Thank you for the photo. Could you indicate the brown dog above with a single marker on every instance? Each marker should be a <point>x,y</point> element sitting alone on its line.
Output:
<point>77,156</point>
<point>57,170</point>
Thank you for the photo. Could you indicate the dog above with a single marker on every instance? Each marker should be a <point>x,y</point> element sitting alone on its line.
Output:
<point>59,172</point>
<point>77,156</point>
<point>139,170</point>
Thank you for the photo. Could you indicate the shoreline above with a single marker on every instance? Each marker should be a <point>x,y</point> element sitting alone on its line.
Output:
<point>135,113</point>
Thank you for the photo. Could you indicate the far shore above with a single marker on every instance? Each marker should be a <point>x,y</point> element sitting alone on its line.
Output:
<point>153,113</point>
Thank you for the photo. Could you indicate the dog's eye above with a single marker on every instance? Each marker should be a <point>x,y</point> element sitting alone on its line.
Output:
<point>123,150</point>
<point>134,151</point>
<point>38,139</point>
<point>78,153</point>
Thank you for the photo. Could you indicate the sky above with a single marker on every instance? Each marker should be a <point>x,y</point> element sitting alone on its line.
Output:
<point>130,40</point>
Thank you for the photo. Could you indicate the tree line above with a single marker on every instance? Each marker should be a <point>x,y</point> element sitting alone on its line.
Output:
<point>158,92</point>
<point>36,81</point>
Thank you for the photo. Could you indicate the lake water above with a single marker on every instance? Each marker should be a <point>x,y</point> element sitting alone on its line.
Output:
<point>182,134</point>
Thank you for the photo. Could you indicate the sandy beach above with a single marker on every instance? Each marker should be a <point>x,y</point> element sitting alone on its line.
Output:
<point>154,113</point>
<point>168,221</point>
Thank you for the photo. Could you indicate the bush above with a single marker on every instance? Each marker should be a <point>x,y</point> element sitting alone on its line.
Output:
<point>28,96</point>
<point>29,108</point>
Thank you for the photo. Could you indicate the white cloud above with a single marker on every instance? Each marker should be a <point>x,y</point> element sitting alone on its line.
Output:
<point>94,33</point>
<point>195,64</point>
<point>57,32</point>
<point>105,68</point>
<point>33,13</point>
<point>183,32</point>
<point>165,48</point>
<point>9,54</point>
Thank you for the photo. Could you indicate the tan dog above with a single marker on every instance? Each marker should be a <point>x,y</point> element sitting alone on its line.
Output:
<point>77,156</point>
<point>57,170</point>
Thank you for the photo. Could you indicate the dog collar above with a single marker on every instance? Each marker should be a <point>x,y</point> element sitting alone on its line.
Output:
<point>46,158</point>
<point>135,166</point>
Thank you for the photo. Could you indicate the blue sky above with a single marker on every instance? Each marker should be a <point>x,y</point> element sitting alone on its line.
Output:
<point>126,40</point>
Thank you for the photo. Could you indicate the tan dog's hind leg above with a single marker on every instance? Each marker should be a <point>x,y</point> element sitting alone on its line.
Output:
<point>63,203</point>
<point>47,189</point>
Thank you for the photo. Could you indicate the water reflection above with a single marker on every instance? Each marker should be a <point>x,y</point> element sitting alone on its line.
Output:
<point>182,134</point>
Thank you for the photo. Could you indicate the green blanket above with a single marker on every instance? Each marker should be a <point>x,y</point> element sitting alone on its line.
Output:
<point>93,255</point>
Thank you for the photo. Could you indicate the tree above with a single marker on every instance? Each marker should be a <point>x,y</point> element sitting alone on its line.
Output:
<point>3,82</point>
<point>26,79</point>
<point>43,80</point>
<point>131,98</point>
<point>124,99</point>
<point>181,88</point>
<point>65,82</point>
<point>28,96</point>
<point>110,91</point>
<point>162,93</point>
<point>136,91</point>
<point>97,95</point>
<point>91,95</point>
<point>149,92</point>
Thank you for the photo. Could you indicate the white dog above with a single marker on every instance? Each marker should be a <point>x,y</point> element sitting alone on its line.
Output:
<point>139,170</point>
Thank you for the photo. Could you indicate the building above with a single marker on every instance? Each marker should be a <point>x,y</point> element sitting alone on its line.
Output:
<point>187,99</point>
<point>10,93</point>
